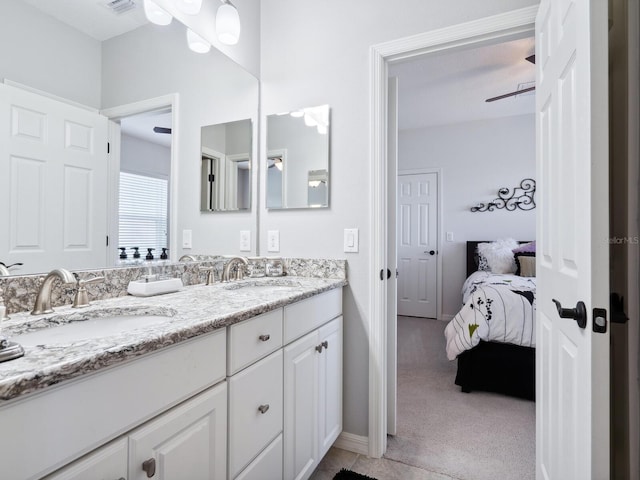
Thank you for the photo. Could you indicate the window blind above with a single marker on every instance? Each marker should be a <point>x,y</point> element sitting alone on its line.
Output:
<point>143,212</point>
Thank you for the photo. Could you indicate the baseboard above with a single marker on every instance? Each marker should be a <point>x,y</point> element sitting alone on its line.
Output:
<point>353,443</point>
<point>446,317</point>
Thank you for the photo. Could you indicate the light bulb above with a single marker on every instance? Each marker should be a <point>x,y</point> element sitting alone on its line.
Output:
<point>196,42</point>
<point>228,24</point>
<point>190,7</point>
<point>156,14</point>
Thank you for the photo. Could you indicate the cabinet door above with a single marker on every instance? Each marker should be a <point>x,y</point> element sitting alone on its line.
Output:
<point>330,385</point>
<point>300,407</point>
<point>106,463</point>
<point>187,442</point>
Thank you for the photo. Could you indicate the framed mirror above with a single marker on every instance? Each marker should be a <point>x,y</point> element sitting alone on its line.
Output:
<point>298,158</point>
<point>225,180</point>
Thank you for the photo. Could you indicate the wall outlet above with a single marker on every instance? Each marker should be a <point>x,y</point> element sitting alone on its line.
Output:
<point>351,240</point>
<point>273,241</point>
<point>449,236</point>
<point>245,240</point>
<point>187,237</point>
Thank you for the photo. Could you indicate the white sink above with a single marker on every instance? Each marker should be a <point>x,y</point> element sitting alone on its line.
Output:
<point>88,329</point>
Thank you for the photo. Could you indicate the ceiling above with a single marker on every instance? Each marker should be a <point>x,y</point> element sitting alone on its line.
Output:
<point>441,89</point>
<point>94,17</point>
<point>141,126</point>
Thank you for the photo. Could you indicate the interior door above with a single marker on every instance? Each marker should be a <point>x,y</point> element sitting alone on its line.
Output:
<point>53,182</point>
<point>417,243</point>
<point>572,362</point>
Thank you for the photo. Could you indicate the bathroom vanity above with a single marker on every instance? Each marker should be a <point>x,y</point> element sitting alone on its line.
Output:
<point>237,380</point>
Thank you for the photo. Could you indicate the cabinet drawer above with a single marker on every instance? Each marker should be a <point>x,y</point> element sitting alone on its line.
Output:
<point>267,466</point>
<point>109,462</point>
<point>253,339</point>
<point>306,315</point>
<point>250,429</point>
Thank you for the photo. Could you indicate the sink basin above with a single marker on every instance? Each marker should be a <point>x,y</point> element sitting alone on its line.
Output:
<point>90,328</point>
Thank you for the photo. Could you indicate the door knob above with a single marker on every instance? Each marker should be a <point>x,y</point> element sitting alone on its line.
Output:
<point>430,252</point>
<point>579,314</point>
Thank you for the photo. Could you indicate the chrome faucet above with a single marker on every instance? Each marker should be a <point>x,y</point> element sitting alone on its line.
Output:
<point>82,297</point>
<point>187,258</point>
<point>236,264</point>
<point>43,300</point>
<point>4,269</point>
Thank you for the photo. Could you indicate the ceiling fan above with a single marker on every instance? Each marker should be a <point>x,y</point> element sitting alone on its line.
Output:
<point>162,130</point>
<point>530,58</point>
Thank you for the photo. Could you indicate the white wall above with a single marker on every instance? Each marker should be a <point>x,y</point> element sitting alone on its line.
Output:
<point>154,61</point>
<point>141,156</point>
<point>41,52</point>
<point>476,159</point>
<point>322,57</point>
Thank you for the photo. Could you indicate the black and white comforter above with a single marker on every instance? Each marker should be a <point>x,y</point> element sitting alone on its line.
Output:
<point>498,308</point>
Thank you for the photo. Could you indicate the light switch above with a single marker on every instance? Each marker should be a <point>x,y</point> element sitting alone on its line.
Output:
<point>187,239</point>
<point>351,240</point>
<point>245,240</point>
<point>273,241</point>
<point>449,236</point>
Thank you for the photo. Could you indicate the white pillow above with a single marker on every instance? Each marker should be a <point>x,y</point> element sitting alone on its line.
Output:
<point>499,255</point>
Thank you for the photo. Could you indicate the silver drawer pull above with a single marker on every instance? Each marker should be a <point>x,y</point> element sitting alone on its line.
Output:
<point>319,348</point>
<point>264,338</point>
<point>263,408</point>
<point>149,466</point>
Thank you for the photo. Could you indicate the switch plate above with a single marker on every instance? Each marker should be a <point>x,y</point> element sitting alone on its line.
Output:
<point>187,237</point>
<point>351,240</point>
<point>273,241</point>
<point>449,236</point>
<point>245,240</point>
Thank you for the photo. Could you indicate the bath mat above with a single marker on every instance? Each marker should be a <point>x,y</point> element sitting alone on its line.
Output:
<point>345,474</point>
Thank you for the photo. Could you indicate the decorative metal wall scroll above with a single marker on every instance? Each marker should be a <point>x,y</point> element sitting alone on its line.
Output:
<point>519,198</point>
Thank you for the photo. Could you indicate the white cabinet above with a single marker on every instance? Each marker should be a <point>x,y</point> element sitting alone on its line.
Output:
<point>106,463</point>
<point>187,442</point>
<point>313,398</point>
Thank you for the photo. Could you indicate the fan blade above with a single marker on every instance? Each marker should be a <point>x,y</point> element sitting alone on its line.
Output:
<point>531,58</point>
<point>511,94</point>
<point>162,130</point>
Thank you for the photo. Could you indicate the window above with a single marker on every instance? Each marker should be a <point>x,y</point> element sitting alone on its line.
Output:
<point>143,212</point>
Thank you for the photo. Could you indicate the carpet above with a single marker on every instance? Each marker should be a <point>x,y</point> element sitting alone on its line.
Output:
<point>345,474</point>
<point>468,436</point>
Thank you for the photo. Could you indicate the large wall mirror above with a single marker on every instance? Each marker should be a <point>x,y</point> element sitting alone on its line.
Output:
<point>298,158</point>
<point>71,219</point>
<point>225,182</point>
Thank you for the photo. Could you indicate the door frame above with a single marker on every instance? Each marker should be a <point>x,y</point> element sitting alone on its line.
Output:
<point>439,241</point>
<point>170,101</point>
<point>497,28</point>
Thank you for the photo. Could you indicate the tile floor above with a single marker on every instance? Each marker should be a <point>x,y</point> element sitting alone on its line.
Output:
<point>379,468</point>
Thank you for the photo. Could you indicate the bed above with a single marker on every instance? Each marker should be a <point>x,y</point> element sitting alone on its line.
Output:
<point>493,335</point>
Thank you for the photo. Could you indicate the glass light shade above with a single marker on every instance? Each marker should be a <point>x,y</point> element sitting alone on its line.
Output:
<point>309,119</point>
<point>228,24</point>
<point>190,7</point>
<point>297,113</point>
<point>156,14</point>
<point>322,129</point>
<point>197,43</point>
<point>314,183</point>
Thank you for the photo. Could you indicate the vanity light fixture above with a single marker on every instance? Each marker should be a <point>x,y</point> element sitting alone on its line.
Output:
<point>156,14</point>
<point>228,23</point>
<point>190,7</point>
<point>197,43</point>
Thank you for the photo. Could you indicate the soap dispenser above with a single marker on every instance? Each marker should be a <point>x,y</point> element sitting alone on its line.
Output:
<point>163,255</point>
<point>123,252</point>
<point>136,253</point>
<point>149,254</point>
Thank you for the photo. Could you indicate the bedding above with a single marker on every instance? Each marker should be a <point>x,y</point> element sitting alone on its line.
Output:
<point>497,308</point>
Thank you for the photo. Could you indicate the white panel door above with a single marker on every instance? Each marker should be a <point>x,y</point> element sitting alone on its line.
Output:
<point>330,385</point>
<point>301,407</point>
<point>572,362</point>
<point>187,442</point>
<point>53,183</point>
<point>417,243</point>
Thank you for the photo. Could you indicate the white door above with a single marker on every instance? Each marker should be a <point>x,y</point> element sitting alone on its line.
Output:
<point>572,363</point>
<point>188,442</point>
<point>330,385</point>
<point>53,183</point>
<point>417,243</point>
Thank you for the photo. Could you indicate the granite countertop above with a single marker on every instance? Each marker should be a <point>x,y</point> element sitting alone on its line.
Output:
<point>190,312</point>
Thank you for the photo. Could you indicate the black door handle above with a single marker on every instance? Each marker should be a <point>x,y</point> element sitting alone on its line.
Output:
<point>579,314</point>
